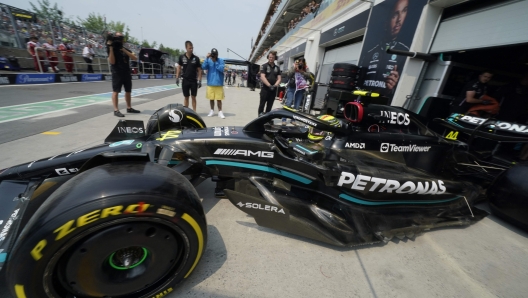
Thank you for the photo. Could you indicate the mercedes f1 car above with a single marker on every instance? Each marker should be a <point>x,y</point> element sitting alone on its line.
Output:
<point>123,219</point>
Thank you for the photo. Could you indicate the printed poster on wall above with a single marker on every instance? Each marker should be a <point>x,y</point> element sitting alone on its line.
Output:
<point>392,24</point>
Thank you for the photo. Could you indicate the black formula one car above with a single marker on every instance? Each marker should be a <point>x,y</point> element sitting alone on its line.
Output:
<point>123,219</point>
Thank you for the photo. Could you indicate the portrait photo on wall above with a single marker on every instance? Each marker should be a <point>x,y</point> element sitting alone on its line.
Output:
<point>392,24</point>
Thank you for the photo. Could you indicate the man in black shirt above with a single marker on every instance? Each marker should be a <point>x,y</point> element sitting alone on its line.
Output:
<point>472,93</point>
<point>270,75</point>
<point>119,59</point>
<point>190,69</point>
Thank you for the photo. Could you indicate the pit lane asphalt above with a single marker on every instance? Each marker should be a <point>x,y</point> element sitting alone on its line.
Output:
<point>486,259</point>
<point>14,95</point>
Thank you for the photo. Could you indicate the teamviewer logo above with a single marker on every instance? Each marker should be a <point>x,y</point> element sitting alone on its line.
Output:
<point>384,147</point>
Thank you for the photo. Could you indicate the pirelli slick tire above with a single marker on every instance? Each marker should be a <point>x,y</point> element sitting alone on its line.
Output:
<point>117,230</point>
<point>345,70</point>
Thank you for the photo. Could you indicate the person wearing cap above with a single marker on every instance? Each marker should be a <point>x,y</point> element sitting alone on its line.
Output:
<point>191,73</point>
<point>66,50</point>
<point>215,81</point>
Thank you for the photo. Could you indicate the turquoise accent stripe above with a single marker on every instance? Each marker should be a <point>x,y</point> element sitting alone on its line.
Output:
<point>370,203</point>
<point>3,257</point>
<point>259,168</point>
<point>309,151</point>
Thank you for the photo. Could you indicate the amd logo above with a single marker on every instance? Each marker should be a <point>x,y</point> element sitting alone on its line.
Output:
<point>247,153</point>
<point>355,145</point>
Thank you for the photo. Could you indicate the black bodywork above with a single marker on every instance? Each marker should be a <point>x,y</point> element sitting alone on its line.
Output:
<point>381,175</point>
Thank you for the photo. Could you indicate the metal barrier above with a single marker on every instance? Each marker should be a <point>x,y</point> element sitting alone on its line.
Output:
<point>74,62</point>
<point>151,67</point>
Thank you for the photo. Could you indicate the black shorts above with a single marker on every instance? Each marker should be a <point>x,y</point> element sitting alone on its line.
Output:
<point>191,86</point>
<point>121,79</point>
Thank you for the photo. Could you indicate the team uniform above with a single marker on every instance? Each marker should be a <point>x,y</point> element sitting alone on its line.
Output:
<point>51,52</point>
<point>381,64</point>
<point>66,50</point>
<point>460,105</point>
<point>31,47</point>
<point>189,74</point>
<point>267,95</point>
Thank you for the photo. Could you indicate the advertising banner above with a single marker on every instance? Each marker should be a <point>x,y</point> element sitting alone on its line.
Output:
<point>392,24</point>
<point>66,78</point>
<point>159,76</point>
<point>92,77</point>
<point>169,76</point>
<point>135,77</point>
<point>37,78</point>
<point>143,77</point>
<point>6,79</point>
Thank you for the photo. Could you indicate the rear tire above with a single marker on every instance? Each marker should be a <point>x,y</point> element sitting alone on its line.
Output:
<point>138,233</point>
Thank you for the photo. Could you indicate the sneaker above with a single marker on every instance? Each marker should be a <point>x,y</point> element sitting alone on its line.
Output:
<point>132,110</point>
<point>118,114</point>
<point>210,113</point>
<point>221,115</point>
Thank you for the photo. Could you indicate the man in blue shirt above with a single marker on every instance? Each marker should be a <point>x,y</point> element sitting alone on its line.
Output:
<point>215,81</point>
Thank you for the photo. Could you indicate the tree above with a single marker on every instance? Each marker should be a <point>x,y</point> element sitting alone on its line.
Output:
<point>154,44</point>
<point>93,23</point>
<point>44,10</point>
<point>145,44</point>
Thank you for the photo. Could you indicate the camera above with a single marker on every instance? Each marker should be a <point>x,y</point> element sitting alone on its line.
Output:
<point>117,41</point>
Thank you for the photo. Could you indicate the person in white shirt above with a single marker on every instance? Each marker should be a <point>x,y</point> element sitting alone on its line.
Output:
<point>88,55</point>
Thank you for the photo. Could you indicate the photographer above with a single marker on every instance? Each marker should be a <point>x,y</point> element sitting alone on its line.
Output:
<point>119,59</point>
<point>299,78</point>
<point>270,76</point>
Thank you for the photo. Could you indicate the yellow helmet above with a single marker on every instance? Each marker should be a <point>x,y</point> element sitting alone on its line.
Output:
<point>315,134</point>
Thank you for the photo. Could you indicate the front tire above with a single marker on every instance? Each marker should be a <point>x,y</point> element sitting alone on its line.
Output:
<point>118,230</point>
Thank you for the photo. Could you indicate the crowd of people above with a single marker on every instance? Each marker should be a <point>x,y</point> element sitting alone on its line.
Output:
<point>308,9</point>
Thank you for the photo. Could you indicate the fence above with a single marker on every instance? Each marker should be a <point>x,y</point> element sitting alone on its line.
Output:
<point>15,33</point>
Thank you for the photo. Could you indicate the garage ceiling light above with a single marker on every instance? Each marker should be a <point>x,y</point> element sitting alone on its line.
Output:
<point>461,51</point>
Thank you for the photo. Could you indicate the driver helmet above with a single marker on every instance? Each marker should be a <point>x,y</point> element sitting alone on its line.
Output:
<point>315,134</point>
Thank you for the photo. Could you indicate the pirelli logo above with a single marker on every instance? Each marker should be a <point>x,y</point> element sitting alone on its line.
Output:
<point>241,152</point>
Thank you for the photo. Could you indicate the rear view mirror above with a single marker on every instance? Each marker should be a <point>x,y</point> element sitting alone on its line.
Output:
<point>353,112</point>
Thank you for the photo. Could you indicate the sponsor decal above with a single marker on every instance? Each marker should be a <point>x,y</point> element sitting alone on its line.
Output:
<point>242,152</point>
<point>120,143</point>
<point>92,77</point>
<point>64,171</point>
<point>355,145</point>
<point>68,79</point>
<point>35,78</point>
<point>218,131</point>
<point>374,83</point>
<point>75,152</point>
<point>305,121</point>
<point>175,116</point>
<point>374,184</point>
<point>130,130</point>
<point>386,147</point>
<point>152,77</point>
<point>4,81</point>
<point>144,77</point>
<point>261,207</point>
<point>133,77</point>
<point>375,56</point>
<point>158,76</point>
<point>513,127</point>
<point>8,224</point>
<point>171,134</point>
<point>452,135</point>
<point>393,57</point>
<point>373,66</point>
<point>139,145</point>
<point>170,76</point>
<point>395,118</point>
<point>67,228</point>
<point>299,151</point>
